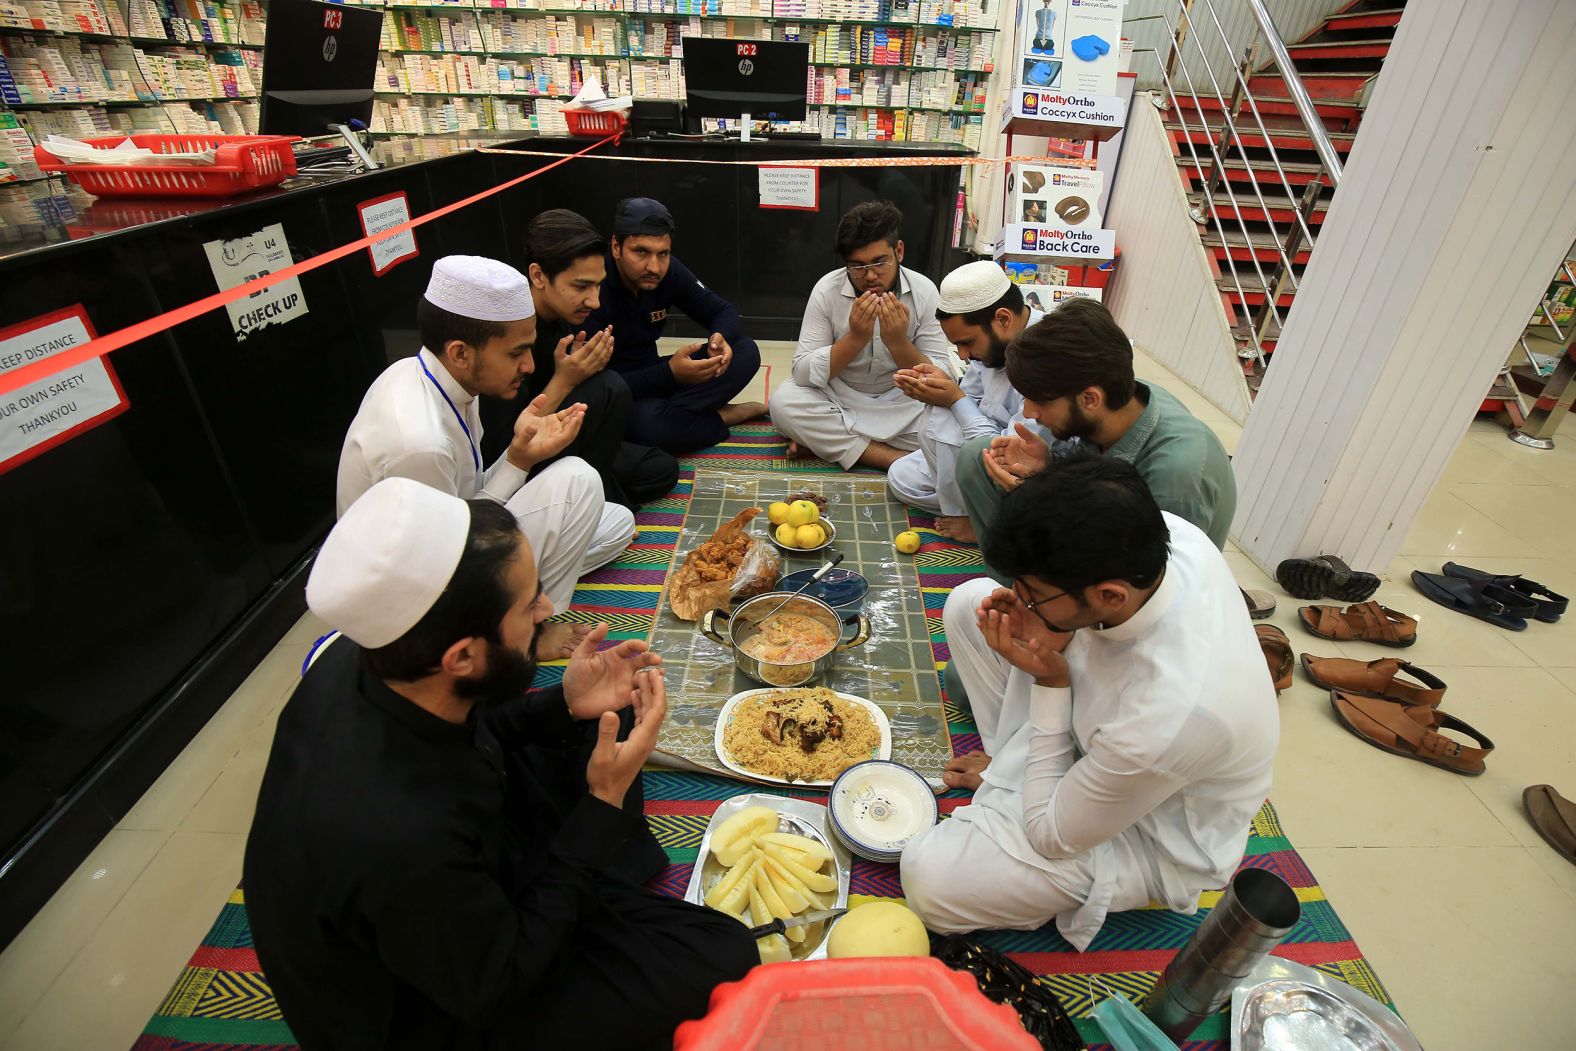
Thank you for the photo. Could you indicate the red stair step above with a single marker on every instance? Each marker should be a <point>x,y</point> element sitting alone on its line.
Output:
<point>1340,110</point>
<point>1325,49</point>
<point>1319,85</point>
<point>1298,174</point>
<point>1281,138</point>
<point>1365,19</point>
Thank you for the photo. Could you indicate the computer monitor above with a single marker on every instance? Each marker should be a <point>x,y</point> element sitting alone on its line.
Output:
<point>763,79</point>
<point>320,63</point>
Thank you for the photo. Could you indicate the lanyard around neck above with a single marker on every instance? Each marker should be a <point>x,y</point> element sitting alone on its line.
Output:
<point>470,442</point>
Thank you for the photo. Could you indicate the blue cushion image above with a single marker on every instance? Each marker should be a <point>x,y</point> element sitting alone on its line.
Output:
<point>1042,73</point>
<point>1090,47</point>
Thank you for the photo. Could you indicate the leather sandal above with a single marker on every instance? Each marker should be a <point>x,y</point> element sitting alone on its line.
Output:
<point>1378,678</point>
<point>1482,599</point>
<point>1550,606</point>
<point>1325,575</point>
<point>1277,653</point>
<point>1364,622</point>
<point>1412,730</point>
<point>1554,817</point>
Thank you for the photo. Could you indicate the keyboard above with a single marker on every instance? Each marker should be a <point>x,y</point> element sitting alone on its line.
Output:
<point>312,156</point>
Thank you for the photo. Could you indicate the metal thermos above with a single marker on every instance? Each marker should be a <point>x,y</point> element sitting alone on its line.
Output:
<point>1256,911</point>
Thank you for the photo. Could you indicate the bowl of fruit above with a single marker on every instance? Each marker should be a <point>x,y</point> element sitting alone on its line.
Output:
<point>766,858</point>
<point>800,526</point>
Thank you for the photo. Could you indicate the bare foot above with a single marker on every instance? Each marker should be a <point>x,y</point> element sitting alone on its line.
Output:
<point>735,414</point>
<point>963,771</point>
<point>880,455</point>
<point>796,451</point>
<point>957,528</point>
<point>558,638</point>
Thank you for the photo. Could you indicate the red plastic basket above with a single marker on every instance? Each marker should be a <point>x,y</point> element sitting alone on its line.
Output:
<point>243,162</point>
<point>595,124</point>
<point>892,1004</point>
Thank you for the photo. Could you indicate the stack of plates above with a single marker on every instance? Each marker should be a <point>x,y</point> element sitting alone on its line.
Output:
<point>878,806</point>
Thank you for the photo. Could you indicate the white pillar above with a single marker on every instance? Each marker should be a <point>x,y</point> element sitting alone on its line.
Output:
<point>1457,205</point>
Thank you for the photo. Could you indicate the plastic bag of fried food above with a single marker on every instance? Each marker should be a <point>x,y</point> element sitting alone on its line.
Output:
<point>733,564</point>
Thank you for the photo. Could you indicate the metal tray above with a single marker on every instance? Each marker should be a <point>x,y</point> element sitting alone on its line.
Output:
<point>1315,1011</point>
<point>798,816</point>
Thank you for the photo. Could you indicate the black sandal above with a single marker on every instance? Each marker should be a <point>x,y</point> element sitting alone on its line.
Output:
<point>1550,606</point>
<point>1325,575</point>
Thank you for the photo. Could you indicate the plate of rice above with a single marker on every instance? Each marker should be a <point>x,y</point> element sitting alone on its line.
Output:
<point>799,737</point>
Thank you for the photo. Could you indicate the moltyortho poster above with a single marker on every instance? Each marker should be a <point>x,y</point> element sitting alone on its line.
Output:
<point>1070,45</point>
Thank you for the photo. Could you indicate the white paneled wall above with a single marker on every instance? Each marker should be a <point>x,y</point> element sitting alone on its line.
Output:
<point>1164,293</point>
<point>1458,202</point>
<point>1293,18</point>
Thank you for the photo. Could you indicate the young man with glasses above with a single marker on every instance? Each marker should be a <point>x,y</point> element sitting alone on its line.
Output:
<point>864,322</point>
<point>1129,728</point>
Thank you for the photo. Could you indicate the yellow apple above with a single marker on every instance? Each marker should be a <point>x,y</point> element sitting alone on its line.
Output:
<point>802,513</point>
<point>907,542</point>
<point>808,536</point>
<point>777,513</point>
<point>786,535</point>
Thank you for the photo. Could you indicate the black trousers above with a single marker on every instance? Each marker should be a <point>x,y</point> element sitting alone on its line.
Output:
<point>631,474</point>
<point>639,963</point>
<point>687,421</point>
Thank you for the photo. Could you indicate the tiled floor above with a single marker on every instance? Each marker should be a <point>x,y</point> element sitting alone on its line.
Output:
<point>1465,912</point>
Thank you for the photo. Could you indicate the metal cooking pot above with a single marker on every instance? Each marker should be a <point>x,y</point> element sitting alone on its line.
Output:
<point>740,626</point>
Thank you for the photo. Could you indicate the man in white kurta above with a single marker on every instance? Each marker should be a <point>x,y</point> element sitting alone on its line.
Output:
<point>980,312</point>
<point>863,323</point>
<point>1125,768</point>
<point>420,420</point>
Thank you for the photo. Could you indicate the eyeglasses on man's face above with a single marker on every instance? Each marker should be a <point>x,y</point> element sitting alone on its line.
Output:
<point>856,269</point>
<point>1033,604</point>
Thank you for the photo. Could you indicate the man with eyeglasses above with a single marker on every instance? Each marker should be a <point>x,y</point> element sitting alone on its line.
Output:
<point>865,321</point>
<point>1129,729</point>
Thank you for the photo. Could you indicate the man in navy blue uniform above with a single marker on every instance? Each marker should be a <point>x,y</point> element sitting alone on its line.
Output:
<point>683,402</point>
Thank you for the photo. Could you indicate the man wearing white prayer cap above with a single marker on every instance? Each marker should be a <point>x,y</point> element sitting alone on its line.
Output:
<point>439,859</point>
<point>981,311</point>
<point>421,420</point>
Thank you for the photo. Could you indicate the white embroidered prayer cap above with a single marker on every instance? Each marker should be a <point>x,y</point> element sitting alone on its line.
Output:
<point>973,286</point>
<point>387,560</point>
<point>477,287</point>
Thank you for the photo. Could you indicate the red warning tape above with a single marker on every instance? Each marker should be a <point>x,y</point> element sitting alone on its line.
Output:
<point>104,345</point>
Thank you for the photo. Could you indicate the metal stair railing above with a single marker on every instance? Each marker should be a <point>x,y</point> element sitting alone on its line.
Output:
<point>1181,21</point>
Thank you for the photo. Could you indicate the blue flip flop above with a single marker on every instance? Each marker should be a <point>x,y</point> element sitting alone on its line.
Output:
<point>1484,600</point>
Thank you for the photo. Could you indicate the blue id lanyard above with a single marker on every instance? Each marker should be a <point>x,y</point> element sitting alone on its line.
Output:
<point>469,441</point>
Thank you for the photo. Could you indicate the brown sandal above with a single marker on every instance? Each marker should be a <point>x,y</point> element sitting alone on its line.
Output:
<point>1277,653</point>
<point>1364,622</point>
<point>1412,730</point>
<point>1375,679</point>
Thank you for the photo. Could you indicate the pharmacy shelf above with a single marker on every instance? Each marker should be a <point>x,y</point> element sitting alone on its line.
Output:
<point>139,41</point>
<point>503,96</point>
<point>674,16</point>
<point>508,54</point>
<point>100,103</point>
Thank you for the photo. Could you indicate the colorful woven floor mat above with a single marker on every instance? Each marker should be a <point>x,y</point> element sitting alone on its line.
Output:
<point>222,1002</point>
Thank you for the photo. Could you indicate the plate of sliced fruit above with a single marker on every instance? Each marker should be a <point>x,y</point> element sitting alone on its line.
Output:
<point>766,857</point>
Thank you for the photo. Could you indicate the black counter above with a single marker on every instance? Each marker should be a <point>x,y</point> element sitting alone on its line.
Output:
<point>150,562</point>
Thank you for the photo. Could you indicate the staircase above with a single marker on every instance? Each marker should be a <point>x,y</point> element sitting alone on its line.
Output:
<point>1255,176</point>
